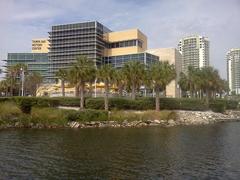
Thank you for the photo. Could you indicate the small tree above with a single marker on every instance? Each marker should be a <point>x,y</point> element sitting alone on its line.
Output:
<point>161,74</point>
<point>134,73</point>
<point>105,73</point>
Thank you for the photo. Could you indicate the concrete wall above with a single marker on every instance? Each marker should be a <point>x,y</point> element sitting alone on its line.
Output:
<point>173,56</point>
<point>124,36</point>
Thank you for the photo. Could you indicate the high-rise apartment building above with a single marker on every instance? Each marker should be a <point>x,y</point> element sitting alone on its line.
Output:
<point>233,70</point>
<point>195,52</point>
<point>173,56</point>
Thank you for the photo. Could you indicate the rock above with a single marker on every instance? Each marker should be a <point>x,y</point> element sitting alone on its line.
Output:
<point>156,121</point>
<point>141,124</point>
<point>171,122</point>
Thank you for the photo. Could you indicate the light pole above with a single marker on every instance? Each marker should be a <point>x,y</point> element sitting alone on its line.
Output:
<point>22,70</point>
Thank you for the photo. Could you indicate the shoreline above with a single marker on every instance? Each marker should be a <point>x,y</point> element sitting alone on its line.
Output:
<point>183,118</point>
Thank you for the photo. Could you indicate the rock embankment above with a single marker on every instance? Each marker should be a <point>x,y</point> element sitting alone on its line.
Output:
<point>183,118</point>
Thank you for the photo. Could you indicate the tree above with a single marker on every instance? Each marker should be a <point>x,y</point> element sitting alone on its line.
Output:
<point>81,72</point>
<point>32,82</point>
<point>134,73</point>
<point>160,74</point>
<point>205,81</point>
<point>13,74</point>
<point>62,74</point>
<point>119,80</point>
<point>105,73</point>
<point>4,84</point>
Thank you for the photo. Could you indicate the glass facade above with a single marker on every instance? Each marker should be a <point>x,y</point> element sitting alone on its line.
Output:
<point>71,40</point>
<point>119,61</point>
<point>35,62</point>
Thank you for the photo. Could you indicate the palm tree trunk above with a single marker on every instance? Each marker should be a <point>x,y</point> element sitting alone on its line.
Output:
<point>157,99</point>
<point>133,92</point>
<point>77,90</point>
<point>106,95</point>
<point>81,96</point>
<point>90,89</point>
<point>11,88</point>
<point>63,87</point>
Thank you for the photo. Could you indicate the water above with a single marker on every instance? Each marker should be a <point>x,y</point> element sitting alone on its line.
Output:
<point>193,152</point>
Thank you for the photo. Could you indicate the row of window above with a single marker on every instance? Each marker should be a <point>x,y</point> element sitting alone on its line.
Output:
<point>128,43</point>
<point>72,26</point>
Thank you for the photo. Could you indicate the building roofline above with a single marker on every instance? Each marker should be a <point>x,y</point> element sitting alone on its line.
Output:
<point>194,36</point>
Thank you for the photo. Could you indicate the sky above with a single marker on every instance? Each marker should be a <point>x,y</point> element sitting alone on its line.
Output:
<point>164,22</point>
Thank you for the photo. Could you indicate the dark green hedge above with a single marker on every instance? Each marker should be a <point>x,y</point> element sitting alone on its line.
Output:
<point>26,103</point>
<point>68,101</point>
<point>218,106</point>
<point>124,103</point>
<point>87,115</point>
<point>229,104</point>
<point>147,103</point>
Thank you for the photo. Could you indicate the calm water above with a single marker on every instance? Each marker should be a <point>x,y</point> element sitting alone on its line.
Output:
<point>205,152</point>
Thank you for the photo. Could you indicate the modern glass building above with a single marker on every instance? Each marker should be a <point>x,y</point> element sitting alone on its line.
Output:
<point>119,61</point>
<point>71,40</point>
<point>35,62</point>
<point>97,42</point>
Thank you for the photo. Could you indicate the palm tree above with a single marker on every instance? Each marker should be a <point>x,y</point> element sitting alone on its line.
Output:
<point>184,82</point>
<point>105,73</point>
<point>202,81</point>
<point>33,81</point>
<point>13,72</point>
<point>72,79</point>
<point>82,72</point>
<point>62,74</point>
<point>161,74</point>
<point>134,73</point>
<point>119,80</point>
<point>4,87</point>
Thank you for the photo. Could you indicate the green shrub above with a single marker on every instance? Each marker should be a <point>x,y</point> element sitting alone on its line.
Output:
<point>148,104</point>
<point>218,107</point>
<point>46,102</point>
<point>230,104</point>
<point>87,115</point>
<point>95,103</point>
<point>25,103</point>
<point>68,101</point>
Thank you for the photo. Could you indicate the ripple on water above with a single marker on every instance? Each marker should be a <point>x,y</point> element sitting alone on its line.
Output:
<point>206,152</point>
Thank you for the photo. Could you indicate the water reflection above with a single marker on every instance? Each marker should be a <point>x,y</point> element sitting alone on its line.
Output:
<point>209,152</point>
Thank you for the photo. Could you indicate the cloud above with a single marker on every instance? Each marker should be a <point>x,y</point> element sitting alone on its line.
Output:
<point>163,21</point>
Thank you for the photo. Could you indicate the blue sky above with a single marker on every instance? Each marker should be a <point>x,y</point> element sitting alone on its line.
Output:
<point>163,21</point>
